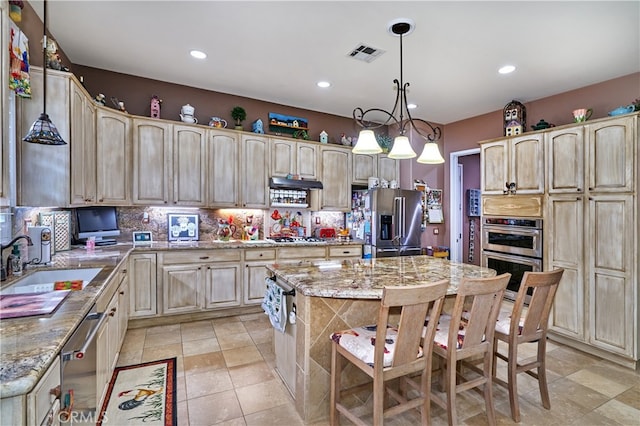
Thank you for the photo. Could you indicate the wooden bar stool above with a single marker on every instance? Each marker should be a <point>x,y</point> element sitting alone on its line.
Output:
<point>469,335</point>
<point>531,327</point>
<point>385,353</point>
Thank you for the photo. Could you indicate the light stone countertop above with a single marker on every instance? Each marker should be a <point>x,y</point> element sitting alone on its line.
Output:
<point>365,278</point>
<point>29,345</point>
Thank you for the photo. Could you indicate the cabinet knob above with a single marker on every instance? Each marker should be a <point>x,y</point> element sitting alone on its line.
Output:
<point>579,189</point>
<point>175,202</point>
<point>122,292</point>
<point>204,257</point>
<point>100,200</point>
<point>124,271</point>
<point>165,201</point>
<point>260,254</point>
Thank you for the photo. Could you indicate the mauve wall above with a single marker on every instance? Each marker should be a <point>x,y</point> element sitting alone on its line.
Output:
<point>470,180</point>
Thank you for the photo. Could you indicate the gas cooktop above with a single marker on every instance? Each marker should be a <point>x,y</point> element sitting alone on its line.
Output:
<point>296,240</point>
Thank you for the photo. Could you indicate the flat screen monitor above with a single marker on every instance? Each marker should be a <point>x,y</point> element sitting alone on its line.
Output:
<point>99,222</point>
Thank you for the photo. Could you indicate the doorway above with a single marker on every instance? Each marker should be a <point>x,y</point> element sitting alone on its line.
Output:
<point>465,231</point>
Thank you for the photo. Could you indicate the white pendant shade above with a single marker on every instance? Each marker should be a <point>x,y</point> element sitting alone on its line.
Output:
<point>430,154</point>
<point>367,143</point>
<point>402,149</point>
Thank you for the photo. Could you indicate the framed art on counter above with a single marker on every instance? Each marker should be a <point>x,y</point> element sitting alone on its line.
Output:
<point>182,227</point>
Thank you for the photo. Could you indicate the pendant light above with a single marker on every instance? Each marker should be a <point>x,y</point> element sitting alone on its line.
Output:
<point>401,145</point>
<point>43,131</point>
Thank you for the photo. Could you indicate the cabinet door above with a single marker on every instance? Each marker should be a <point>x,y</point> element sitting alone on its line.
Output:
<point>189,166</point>
<point>565,160</point>
<point>151,161</point>
<point>43,170</point>
<point>180,288</point>
<point>223,285</point>
<point>283,157</point>
<point>307,160</point>
<point>527,166</point>
<point>254,287</point>
<point>388,168</point>
<point>83,152</point>
<point>611,155</point>
<point>494,157</point>
<point>113,330</point>
<point>142,284</point>
<point>113,165</point>
<point>336,169</point>
<point>223,153</point>
<point>364,167</point>
<point>611,272</point>
<point>123,307</point>
<point>254,171</point>
<point>564,230</point>
<point>102,362</point>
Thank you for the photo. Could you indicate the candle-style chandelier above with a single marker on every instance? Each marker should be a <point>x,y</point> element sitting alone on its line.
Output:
<point>402,149</point>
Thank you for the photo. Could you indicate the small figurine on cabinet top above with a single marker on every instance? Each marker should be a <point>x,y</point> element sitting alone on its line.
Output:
<point>324,137</point>
<point>155,106</point>
<point>345,140</point>
<point>100,99</point>
<point>515,118</point>
<point>118,104</point>
<point>257,127</point>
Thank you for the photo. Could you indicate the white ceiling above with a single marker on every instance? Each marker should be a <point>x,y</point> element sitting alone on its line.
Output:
<point>277,51</point>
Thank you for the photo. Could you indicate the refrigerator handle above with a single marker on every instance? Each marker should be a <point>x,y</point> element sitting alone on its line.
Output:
<point>404,218</point>
<point>399,217</point>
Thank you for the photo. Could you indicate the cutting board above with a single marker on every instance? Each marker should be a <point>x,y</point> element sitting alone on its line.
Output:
<point>30,304</point>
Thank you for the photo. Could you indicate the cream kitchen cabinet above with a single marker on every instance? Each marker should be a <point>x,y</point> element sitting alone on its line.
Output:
<point>83,146</point>
<point>196,280</point>
<point>254,171</point>
<point>335,163</point>
<point>143,285</point>
<point>188,184</point>
<point>223,155</point>
<point>344,252</point>
<point>113,157</point>
<point>363,167</point>
<point>255,272</point>
<point>152,165</point>
<point>613,146</point>
<point>293,157</point>
<point>40,184</point>
<point>565,152</point>
<point>388,168</point>
<point>518,160</point>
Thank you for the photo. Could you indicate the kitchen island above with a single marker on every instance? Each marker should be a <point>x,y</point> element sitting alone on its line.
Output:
<point>337,295</point>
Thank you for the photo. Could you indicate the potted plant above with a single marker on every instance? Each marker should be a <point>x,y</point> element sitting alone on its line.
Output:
<point>239,115</point>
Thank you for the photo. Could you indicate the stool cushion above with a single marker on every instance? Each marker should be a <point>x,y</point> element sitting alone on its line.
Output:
<point>360,341</point>
<point>503,324</point>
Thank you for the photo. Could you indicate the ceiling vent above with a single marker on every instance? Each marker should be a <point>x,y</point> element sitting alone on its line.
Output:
<point>365,53</point>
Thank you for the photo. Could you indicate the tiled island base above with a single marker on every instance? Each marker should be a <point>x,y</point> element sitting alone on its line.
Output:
<point>317,318</point>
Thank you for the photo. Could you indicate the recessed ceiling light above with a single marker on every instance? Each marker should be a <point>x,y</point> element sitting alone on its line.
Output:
<point>198,54</point>
<point>324,84</point>
<point>412,106</point>
<point>507,69</point>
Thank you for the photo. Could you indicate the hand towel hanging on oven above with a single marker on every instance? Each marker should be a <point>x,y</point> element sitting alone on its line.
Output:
<point>275,304</point>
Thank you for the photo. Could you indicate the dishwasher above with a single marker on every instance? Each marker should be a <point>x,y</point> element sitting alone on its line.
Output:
<point>78,371</point>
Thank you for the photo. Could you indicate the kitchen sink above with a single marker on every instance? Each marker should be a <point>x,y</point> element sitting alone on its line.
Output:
<point>42,281</point>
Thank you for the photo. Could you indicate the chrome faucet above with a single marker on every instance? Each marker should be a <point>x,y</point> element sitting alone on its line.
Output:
<point>3,269</point>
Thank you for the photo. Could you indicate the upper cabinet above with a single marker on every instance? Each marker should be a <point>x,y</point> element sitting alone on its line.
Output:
<point>83,140</point>
<point>565,160</point>
<point>611,146</point>
<point>336,168</point>
<point>388,168</point>
<point>363,167</point>
<point>516,160</point>
<point>223,154</point>
<point>254,171</point>
<point>294,157</point>
<point>152,171</point>
<point>189,166</point>
<point>113,165</point>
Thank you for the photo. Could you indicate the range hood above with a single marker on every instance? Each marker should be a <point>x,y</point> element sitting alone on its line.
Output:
<point>284,183</point>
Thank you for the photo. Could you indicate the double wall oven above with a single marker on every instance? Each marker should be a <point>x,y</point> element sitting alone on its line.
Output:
<point>512,245</point>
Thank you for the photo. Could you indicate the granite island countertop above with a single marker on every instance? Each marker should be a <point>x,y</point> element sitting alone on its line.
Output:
<point>29,345</point>
<point>365,278</point>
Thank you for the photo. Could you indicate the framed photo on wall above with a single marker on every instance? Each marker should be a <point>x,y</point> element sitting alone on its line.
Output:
<point>182,227</point>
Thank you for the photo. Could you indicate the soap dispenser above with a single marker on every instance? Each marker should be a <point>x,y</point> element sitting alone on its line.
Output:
<point>16,261</point>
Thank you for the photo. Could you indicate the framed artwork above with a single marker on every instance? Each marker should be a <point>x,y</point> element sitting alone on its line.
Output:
<point>141,238</point>
<point>182,227</point>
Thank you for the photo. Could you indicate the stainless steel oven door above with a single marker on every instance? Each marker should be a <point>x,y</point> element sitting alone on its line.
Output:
<point>515,265</point>
<point>512,240</point>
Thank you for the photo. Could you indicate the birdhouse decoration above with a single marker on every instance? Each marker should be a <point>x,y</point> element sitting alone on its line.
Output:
<point>515,118</point>
<point>155,106</point>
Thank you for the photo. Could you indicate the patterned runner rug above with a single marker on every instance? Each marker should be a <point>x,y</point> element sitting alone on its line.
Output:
<point>141,394</point>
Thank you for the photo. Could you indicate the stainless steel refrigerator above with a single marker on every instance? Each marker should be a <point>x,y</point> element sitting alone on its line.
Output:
<point>396,216</point>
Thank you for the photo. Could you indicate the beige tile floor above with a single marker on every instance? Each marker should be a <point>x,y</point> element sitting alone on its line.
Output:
<point>226,376</point>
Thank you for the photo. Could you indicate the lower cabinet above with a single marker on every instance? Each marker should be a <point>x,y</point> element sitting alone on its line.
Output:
<point>255,272</point>
<point>345,252</point>
<point>195,280</point>
<point>143,284</point>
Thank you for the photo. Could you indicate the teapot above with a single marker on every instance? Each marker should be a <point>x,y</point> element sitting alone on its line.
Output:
<point>217,122</point>
<point>187,114</point>
<point>622,110</point>
<point>226,231</point>
<point>540,125</point>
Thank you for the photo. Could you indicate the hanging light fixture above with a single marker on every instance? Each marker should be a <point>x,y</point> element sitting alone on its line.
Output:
<point>402,149</point>
<point>43,131</point>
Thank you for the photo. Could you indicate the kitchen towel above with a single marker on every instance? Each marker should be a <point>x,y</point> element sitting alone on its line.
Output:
<point>275,304</point>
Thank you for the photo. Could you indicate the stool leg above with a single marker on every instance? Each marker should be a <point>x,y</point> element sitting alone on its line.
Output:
<point>450,387</point>
<point>512,374</point>
<point>542,373</point>
<point>336,369</point>
<point>488,388</point>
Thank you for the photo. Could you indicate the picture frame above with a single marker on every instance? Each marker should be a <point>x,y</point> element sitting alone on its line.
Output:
<point>182,227</point>
<point>142,238</point>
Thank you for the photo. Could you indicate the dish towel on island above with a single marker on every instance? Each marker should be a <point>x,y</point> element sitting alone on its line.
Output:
<point>275,304</point>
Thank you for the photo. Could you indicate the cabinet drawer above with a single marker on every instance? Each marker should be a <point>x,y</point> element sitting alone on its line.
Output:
<point>268,254</point>
<point>200,256</point>
<point>40,400</point>
<point>345,251</point>
<point>295,253</point>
